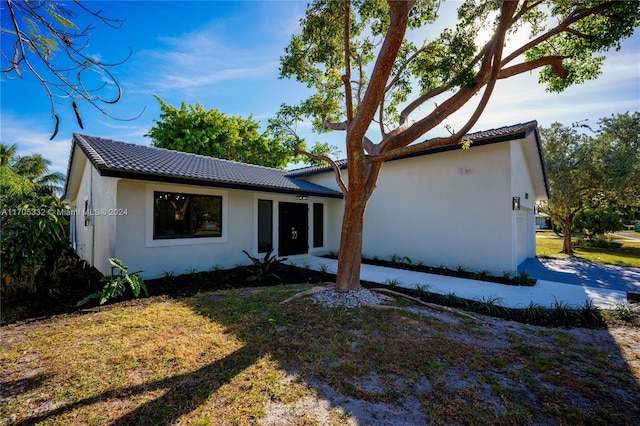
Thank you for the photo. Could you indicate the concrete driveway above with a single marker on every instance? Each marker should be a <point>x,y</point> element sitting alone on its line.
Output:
<point>572,271</point>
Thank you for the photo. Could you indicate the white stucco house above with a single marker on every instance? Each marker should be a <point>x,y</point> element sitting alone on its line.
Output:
<point>166,211</point>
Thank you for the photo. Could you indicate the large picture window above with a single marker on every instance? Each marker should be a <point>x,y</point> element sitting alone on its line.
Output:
<point>186,215</point>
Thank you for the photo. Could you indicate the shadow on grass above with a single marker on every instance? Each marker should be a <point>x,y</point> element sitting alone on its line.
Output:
<point>387,368</point>
<point>185,392</point>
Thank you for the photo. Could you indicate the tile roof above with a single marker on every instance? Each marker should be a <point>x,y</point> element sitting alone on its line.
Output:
<point>126,160</point>
<point>485,137</point>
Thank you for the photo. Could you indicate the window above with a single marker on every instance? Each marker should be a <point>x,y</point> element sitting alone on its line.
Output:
<point>186,215</point>
<point>318,225</point>
<point>265,225</point>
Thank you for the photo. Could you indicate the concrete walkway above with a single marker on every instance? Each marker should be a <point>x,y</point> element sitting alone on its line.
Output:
<point>578,272</point>
<point>544,293</point>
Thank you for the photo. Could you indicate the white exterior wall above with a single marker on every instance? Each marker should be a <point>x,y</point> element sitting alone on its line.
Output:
<point>523,224</point>
<point>451,209</point>
<point>83,235</point>
<point>136,247</point>
<point>95,226</point>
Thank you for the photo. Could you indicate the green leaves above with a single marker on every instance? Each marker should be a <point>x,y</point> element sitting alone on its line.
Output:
<point>594,173</point>
<point>584,39</point>
<point>116,284</point>
<point>196,130</point>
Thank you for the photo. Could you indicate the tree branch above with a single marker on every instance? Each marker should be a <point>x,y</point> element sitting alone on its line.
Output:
<point>334,166</point>
<point>384,64</point>
<point>396,145</point>
<point>573,17</point>
<point>328,125</point>
<point>554,61</point>
<point>346,78</point>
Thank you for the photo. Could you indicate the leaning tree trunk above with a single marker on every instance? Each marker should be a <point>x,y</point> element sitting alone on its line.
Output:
<point>363,178</point>
<point>350,255</point>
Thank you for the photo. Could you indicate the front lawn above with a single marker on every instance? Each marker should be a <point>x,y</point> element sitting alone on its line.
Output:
<point>549,245</point>
<point>238,357</point>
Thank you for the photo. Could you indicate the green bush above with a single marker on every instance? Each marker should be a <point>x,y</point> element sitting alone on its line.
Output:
<point>597,221</point>
<point>116,284</point>
<point>34,244</point>
<point>266,268</point>
<point>598,243</point>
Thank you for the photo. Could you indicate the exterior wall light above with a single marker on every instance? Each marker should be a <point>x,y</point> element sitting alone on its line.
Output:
<point>515,203</point>
<point>301,197</point>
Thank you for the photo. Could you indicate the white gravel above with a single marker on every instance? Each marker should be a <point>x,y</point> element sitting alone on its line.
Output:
<point>331,298</point>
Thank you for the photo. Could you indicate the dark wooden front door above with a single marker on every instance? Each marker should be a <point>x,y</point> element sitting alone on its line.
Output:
<point>293,230</point>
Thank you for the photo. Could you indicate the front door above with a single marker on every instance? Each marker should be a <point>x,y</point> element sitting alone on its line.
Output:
<point>293,230</point>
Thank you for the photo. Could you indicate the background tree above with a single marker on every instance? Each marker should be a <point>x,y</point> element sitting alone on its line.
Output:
<point>597,173</point>
<point>573,176</point>
<point>196,130</point>
<point>23,175</point>
<point>44,42</point>
<point>620,135</point>
<point>366,72</point>
<point>33,239</point>
<point>597,221</point>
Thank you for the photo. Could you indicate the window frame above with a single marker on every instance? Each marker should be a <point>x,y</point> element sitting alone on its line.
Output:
<point>152,188</point>
<point>269,223</point>
<point>189,214</point>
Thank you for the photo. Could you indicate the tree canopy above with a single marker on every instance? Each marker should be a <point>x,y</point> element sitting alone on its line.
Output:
<point>597,171</point>
<point>25,177</point>
<point>42,40</point>
<point>196,130</point>
<point>366,71</point>
<point>32,235</point>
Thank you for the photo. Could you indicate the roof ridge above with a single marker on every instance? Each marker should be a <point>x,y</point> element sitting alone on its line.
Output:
<point>87,146</point>
<point>175,151</point>
<point>481,134</point>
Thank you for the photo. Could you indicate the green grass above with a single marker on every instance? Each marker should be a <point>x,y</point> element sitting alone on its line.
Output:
<point>238,356</point>
<point>628,255</point>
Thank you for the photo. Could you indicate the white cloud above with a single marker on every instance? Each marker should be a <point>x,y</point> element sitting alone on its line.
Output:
<point>32,137</point>
<point>199,59</point>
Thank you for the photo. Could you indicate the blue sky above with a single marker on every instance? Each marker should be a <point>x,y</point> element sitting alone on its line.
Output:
<point>225,55</point>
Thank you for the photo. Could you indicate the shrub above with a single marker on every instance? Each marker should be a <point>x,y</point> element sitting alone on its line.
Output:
<point>116,285</point>
<point>597,221</point>
<point>34,244</point>
<point>263,269</point>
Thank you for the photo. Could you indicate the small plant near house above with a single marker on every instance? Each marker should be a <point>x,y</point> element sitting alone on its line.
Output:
<point>534,313</point>
<point>265,268</point>
<point>623,310</point>
<point>116,284</point>
<point>392,283</point>
<point>421,290</point>
<point>324,268</point>
<point>482,275</point>
<point>590,313</point>
<point>491,305</point>
<point>400,260</point>
<point>524,279</point>
<point>169,276</point>
<point>453,299</point>
<point>461,269</point>
<point>562,311</point>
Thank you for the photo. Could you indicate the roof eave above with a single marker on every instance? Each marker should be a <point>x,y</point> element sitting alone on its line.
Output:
<point>123,174</point>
